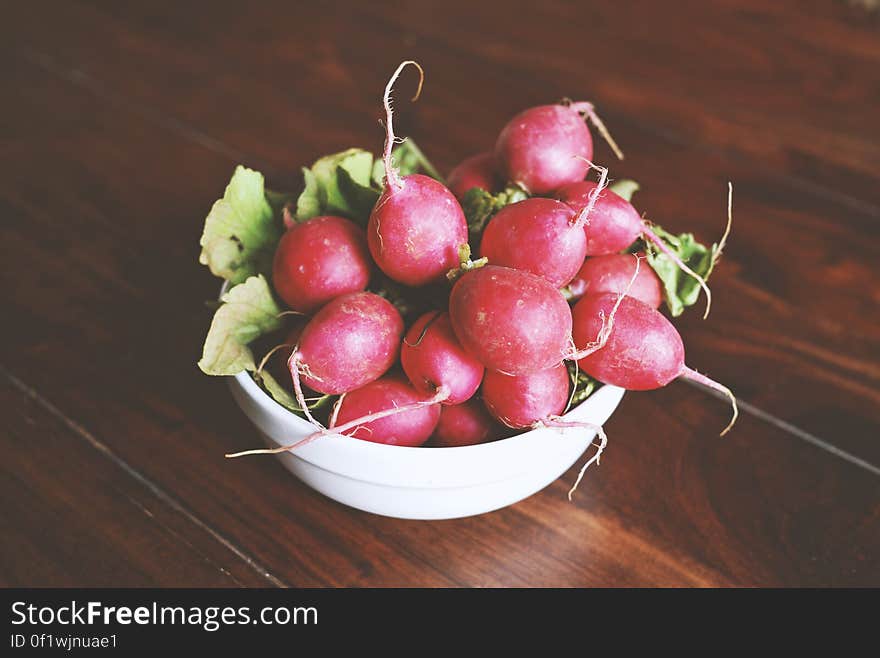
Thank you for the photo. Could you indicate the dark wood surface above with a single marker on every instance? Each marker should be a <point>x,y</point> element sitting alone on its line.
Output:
<point>122,122</point>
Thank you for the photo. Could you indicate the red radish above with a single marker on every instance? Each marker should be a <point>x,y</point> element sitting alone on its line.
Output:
<point>414,231</point>
<point>475,171</point>
<point>544,148</point>
<point>318,260</point>
<point>541,236</point>
<point>465,425</point>
<point>510,320</point>
<point>434,361</point>
<point>614,224</point>
<point>521,401</point>
<point>534,400</point>
<point>616,273</point>
<point>413,419</point>
<point>432,357</point>
<point>641,349</point>
<point>350,342</point>
<point>417,225</point>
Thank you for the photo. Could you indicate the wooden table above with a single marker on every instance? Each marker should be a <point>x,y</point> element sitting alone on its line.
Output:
<point>121,123</point>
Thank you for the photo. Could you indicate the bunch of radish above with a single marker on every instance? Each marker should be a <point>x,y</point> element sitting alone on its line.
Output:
<point>409,341</point>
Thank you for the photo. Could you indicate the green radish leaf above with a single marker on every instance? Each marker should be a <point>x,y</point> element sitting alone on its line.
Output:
<point>624,188</point>
<point>409,159</point>
<point>241,231</point>
<point>248,311</point>
<point>280,394</point>
<point>480,206</point>
<point>584,385</point>
<point>356,167</point>
<point>324,196</point>
<point>349,183</point>
<point>360,198</point>
<point>308,204</point>
<point>680,290</point>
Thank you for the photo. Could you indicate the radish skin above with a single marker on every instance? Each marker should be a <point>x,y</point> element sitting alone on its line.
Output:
<point>412,422</point>
<point>615,224</point>
<point>616,273</point>
<point>415,231</point>
<point>432,357</point>
<point>475,171</point>
<point>535,400</point>
<point>546,147</point>
<point>521,401</point>
<point>350,342</point>
<point>643,351</point>
<point>320,259</point>
<point>412,416</point>
<point>537,235</point>
<point>466,424</point>
<point>510,320</point>
<point>539,148</point>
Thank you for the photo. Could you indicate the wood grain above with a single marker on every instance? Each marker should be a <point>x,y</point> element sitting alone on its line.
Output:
<point>107,176</point>
<point>790,247</point>
<point>718,76</point>
<point>74,516</point>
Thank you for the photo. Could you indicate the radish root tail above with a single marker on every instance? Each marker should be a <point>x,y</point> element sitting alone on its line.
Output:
<point>269,354</point>
<point>658,242</point>
<point>441,395</point>
<point>589,110</point>
<point>607,323</point>
<point>723,242</point>
<point>583,218</point>
<point>290,312</point>
<point>392,178</point>
<point>334,413</point>
<point>556,421</point>
<point>296,366</point>
<point>694,376</point>
<point>600,447</point>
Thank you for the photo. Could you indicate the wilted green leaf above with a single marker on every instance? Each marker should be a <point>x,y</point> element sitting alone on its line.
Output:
<point>280,394</point>
<point>408,159</point>
<point>680,290</point>
<point>360,198</point>
<point>323,193</point>
<point>624,188</point>
<point>248,311</point>
<point>479,206</point>
<point>308,204</point>
<point>240,232</point>
<point>284,397</point>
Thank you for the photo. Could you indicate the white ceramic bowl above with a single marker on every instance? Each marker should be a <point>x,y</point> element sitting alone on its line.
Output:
<point>424,483</point>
